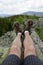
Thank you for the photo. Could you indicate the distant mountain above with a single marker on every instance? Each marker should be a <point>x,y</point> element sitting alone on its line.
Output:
<point>33,13</point>
<point>7,15</point>
<point>25,13</point>
<point>4,15</point>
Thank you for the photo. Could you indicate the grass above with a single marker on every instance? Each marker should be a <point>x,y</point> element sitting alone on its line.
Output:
<point>5,50</point>
<point>40,32</point>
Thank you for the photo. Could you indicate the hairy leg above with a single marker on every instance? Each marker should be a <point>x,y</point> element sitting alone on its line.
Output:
<point>29,48</point>
<point>16,46</point>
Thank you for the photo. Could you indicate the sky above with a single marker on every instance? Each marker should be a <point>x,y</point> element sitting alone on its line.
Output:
<point>20,6</point>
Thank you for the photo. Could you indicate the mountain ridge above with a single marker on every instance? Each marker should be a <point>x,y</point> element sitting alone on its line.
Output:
<point>25,13</point>
<point>33,13</point>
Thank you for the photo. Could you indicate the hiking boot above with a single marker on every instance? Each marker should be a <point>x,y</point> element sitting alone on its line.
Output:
<point>28,25</point>
<point>16,27</point>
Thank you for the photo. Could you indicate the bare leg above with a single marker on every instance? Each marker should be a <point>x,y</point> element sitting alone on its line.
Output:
<point>29,48</point>
<point>16,46</point>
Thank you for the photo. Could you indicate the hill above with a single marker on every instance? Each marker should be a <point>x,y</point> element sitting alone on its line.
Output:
<point>33,13</point>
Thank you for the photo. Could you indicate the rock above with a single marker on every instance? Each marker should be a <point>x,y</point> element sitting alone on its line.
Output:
<point>35,23</point>
<point>39,53</point>
<point>6,40</point>
<point>37,42</point>
<point>36,38</point>
<point>3,53</point>
<point>40,22</point>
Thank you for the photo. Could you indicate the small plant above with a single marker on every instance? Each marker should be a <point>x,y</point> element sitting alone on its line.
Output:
<point>40,32</point>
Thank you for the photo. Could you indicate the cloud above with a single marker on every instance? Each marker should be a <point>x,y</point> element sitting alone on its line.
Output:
<point>20,6</point>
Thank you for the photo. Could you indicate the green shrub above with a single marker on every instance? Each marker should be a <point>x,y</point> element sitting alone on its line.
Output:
<point>6,23</point>
<point>40,32</point>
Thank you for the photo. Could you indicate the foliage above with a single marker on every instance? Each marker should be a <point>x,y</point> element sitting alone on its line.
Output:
<point>6,23</point>
<point>3,53</point>
<point>40,32</point>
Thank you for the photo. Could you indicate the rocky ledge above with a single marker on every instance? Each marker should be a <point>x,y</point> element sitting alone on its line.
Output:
<point>6,40</point>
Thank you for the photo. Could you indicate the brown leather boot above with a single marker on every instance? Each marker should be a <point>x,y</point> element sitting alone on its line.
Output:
<point>28,25</point>
<point>16,27</point>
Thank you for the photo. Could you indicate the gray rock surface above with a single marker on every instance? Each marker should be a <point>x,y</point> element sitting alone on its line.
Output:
<point>36,39</point>
<point>40,21</point>
<point>3,53</point>
<point>38,44</point>
<point>7,38</point>
<point>5,43</point>
<point>35,23</point>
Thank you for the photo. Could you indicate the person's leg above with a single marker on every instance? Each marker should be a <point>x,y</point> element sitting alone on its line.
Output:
<point>16,46</point>
<point>29,48</point>
<point>30,57</point>
<point>14,53</point>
